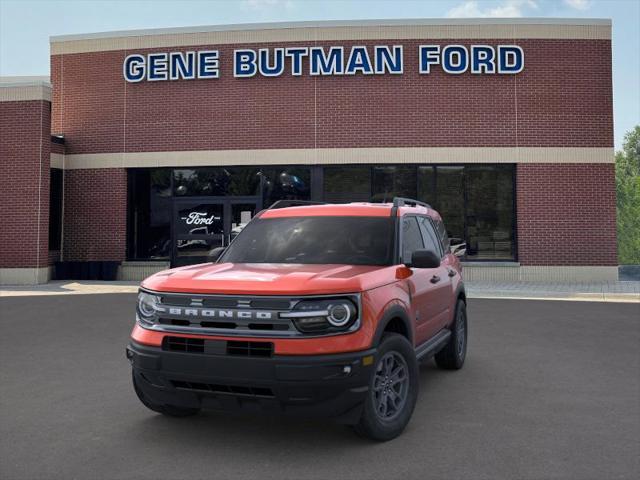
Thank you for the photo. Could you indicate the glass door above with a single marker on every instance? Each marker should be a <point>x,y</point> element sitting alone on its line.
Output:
<point>197,229</point>
<point>240,214</point>
<point>200,225</point>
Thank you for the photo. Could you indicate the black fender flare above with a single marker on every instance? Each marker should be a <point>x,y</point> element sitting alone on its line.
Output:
<point>460,294</point>
<point>393,311</point>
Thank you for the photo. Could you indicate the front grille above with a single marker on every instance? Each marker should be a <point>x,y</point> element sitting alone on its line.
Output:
<point>250,391</point>
<point>182,344</point>
<point>250,349</point>
<point>229,315</point>
<point>217,347</point>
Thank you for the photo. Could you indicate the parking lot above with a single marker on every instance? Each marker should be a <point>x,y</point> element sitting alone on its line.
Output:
<point>551,389</point>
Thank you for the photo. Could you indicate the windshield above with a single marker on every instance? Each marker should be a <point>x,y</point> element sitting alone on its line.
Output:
<point>314,240</point>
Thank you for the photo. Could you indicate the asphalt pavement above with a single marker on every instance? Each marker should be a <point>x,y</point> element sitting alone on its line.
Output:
<point>549,390</point>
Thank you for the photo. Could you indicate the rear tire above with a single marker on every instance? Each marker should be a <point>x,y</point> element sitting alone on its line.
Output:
<point>393,390</point>
<point>452,356</point>
<point>169,410</point>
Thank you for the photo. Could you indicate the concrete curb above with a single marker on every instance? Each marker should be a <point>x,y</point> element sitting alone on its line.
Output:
<point>621,292</point>
<point>575,297</point>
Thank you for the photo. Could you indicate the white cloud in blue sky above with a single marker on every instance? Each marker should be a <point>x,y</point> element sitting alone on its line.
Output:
<point>505,9</point>
<point>578,4</point>
<point>25,26</point>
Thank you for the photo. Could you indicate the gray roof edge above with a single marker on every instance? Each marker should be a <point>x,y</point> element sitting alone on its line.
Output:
<point>333,23</point>
<point>25,81</point>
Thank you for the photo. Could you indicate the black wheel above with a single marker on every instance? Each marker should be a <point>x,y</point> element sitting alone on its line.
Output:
<point>393,390</point>
<point>169,410</point>
<point>452,356</point>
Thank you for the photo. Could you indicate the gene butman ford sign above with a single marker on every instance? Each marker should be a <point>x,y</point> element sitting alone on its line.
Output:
<point>327,61</point>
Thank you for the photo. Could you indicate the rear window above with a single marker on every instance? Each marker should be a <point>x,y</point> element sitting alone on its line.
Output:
<point>314,240</point>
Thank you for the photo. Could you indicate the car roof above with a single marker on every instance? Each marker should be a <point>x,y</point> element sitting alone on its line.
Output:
<point>355,209</point>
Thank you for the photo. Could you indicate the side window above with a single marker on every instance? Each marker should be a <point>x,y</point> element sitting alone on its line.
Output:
<point>442,233</point>
<point>431,240</point>
<point>411,238</point>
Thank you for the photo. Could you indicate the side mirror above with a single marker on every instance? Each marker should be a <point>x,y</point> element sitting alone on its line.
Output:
<point>459,248</point>
<point>424,259</point>
<point>215,253</point>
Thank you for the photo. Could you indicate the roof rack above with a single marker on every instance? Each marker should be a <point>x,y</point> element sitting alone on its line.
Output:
<point>409,202</point>
<point>293,203</point>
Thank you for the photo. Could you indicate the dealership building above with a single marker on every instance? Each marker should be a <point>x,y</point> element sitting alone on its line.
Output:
<point>146,149</point>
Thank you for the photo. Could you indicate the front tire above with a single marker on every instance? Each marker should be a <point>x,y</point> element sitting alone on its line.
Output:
<point>393,390</point>
<point>452,356</point>
<point>169,410</point>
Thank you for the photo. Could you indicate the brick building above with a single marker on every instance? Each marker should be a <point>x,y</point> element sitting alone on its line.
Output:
<point>149,148</point>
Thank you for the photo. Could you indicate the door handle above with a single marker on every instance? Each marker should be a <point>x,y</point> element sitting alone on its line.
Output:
<point>435,279</point>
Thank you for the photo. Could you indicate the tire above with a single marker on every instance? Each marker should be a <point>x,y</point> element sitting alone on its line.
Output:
<point>169,410</point>
<point>452,356</point>
<point>394,351</point>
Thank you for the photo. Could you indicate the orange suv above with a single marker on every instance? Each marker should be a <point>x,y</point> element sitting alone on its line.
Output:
<point>314,309</point>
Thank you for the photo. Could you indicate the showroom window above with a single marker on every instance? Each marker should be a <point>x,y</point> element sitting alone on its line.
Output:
<point>489,212</point>
<point>151,194</point>
<point>347,184</point>
<point>55,209</point>
<point>285,183</point>
<point>476,202</point>
<point>390,181</point>
<point>149,214</point>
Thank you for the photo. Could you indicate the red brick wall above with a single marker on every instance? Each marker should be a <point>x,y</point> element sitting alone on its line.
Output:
<point>95,214</point>
<point>566,214</point>
<point>562,98</point>
<point>24,196</point>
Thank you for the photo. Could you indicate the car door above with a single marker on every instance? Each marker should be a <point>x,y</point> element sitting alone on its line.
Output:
<point>422,290</point>
<point>441,280</point>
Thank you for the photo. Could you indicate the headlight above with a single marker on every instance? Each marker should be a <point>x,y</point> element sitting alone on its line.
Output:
<point>147,306</point>
<point>323,315</point>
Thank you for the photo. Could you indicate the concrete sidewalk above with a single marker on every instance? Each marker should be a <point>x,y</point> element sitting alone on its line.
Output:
<point>594,292</point>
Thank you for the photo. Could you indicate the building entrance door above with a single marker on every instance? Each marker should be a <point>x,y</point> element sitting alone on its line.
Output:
<point>201,224</point>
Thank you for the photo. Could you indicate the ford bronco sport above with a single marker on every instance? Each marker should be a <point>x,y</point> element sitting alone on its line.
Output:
<point>315,310</point>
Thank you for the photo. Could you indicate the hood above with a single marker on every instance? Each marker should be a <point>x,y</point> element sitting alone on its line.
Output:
<point>270,279</point>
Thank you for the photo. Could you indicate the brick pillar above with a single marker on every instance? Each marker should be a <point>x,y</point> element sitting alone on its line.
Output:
<point>567,216</point>
<point>25,123</point>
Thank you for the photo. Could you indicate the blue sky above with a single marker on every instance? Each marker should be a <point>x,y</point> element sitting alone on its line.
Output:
<point>25,26</point>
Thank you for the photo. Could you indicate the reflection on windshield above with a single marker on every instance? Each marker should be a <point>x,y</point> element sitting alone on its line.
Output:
<point>315,240</point>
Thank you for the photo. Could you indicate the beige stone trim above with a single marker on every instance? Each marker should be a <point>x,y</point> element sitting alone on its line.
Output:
<point>23,93</point>
<point>310,156</point>
<point>57,160</point>
<point>138,271</point>
<point>475,272</point>
<point>24,276</point>
<point>433,29</point>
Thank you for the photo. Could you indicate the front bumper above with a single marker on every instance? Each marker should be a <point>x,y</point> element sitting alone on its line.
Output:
<point>318,385</point>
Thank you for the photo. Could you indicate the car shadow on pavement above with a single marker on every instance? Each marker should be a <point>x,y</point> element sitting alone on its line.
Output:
<point>213,430</point>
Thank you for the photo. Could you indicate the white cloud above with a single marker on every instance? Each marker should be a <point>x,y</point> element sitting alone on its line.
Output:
<point>578,4</point>
<point>266,4</point>
<point>508,8</point>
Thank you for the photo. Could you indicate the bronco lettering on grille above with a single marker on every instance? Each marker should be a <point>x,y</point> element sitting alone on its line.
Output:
<point>216,313</point>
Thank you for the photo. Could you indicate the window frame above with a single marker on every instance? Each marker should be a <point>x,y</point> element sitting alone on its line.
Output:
<point>401,232</point>
<point>435,237</point>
